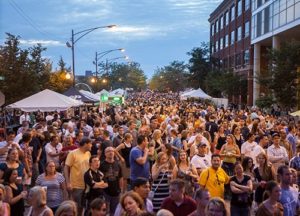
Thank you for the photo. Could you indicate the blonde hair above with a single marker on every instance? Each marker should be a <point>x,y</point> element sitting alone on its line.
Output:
<point>66,206</point>
<point>40,194</point>
<point>135,196</point>
<point>156,134</point>
<point>218,202</point>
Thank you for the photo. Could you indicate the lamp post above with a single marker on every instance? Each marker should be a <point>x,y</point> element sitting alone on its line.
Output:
<point>80,35</point>
<point>108,60</point>
<point>101,54</point>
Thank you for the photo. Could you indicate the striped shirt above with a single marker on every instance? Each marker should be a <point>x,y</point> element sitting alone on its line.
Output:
<point>54,191</point>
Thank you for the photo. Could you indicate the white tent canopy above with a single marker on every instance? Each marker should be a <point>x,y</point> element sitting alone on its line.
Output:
<point>90,95</point>
<point>103,91</point>
<point>117,92</point>
<point>197,93</point>
<point>45,101</point>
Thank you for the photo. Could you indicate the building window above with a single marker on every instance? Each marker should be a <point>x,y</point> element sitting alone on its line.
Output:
<point>246,57</point>
<point>297,10</point>
<point>217,26</point>
<point>290,14</point>
<point>212,29</point>
<point>239,8</point>
<point>247,29</point>
<point>239,33</point>
<point>232,13</point>
<point>232,38</point>
<point>259,3</point>
<point>266,19</point>
<point>247,4</point>
<point>226,40</point>
<point>221,22</point>
<point>221,43</point>
<point>238,59</point>
<point>258,24</point>
<point>282,18</point>
<point>226,17</point>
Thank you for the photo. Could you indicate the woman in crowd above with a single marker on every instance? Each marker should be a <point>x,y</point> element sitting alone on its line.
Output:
<point>156,140</point>
<point>216,207</point>
<point>167,148</point>
<point>230,152</point>
<point>241,187</point>
<point>14,192</point>
<point>239,140</point>
<point>37,201</point>
<point>27,157</point>
<point>220,139</point>
<point>55,184</point>
<point>248,167</point>
<point>4,207</point>
<point>186,171</point>
<point>124,151</point>
<point>67,208</point>
<point>271,206</point>
<point>132,204</point>
<point>262,174</point>
<point>12,162</point>
<point>160,175</point>
<point>98,207</point>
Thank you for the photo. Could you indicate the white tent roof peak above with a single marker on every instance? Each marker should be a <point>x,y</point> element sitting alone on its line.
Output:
<point>45,101</point>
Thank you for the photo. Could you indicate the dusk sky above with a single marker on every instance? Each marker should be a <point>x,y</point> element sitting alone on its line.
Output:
<point>153,32</point>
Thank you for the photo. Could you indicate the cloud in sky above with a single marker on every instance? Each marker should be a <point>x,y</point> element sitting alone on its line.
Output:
<point>153,32</point>
<point>43,42</point>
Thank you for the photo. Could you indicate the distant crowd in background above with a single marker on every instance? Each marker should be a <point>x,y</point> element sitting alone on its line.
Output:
<point>154,155</point>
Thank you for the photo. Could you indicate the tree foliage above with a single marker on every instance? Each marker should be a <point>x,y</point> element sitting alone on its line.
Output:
<point>199,66</point>
<point>173,77</point>
<point>24,71</point>
<point>280,79</point>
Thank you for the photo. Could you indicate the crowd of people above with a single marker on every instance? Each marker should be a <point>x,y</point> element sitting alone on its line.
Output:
<point>155,155</point>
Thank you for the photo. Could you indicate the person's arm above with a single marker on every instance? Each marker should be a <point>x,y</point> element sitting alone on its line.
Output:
<point>1,176</point>
<point>234,188</point>
<point>174,172</point>
<point>222,151</point>
<point>4,149</point>
<point>13,200</point>
<point>244,188</point>
<point>272,158</point>
<point>155,171</point>
<point>67,177</point>
<point>143,159</point>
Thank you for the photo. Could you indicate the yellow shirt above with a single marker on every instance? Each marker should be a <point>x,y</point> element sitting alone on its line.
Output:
<point>213,181</point>
<point>79,164</point>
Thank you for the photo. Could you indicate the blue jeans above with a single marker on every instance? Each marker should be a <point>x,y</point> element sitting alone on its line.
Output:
<point>239,211</point>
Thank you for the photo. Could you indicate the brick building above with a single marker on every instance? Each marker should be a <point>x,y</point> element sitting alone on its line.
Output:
<point>230,42</point>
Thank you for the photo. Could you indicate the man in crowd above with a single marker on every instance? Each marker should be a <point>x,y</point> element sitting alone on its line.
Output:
<point>248,147</point>
<point>8,144</point>
<point>277,154</point>
<point>119,138</point>
<point>113,176</point>
<point>289,196</point>
<point>138,159</point>
<point>178,203</point>
<point>214,178</point>
<point>295,163</point>
<point>260,148</point>
<point>201,160</point>
<point>77,163</point>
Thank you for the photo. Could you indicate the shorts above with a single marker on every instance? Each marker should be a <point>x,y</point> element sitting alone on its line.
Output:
<point>125,170</point>
<point>77,197</point>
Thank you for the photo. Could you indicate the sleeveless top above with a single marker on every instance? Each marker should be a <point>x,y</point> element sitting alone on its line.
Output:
<point>125,152</point>
<point>41,214</point>
<point>17,209</point>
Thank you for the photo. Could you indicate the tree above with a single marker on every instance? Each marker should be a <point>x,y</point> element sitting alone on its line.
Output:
<point>172,77</point>
<point>199,66</point>
<point>280,80</point>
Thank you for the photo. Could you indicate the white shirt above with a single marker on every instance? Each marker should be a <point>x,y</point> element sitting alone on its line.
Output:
<point>50,149</point>
<point>24,118</point>
<point>256,151</point>
<point>275,153</point>
<point>201,162</point>
<point>247,149</point>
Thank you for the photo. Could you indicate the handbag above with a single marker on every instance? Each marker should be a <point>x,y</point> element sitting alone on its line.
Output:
<point>152,192</point>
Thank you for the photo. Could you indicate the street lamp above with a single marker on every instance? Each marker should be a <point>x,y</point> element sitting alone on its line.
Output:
<point>99,55</point>
<point>81,34</point>
<point>113,59</point>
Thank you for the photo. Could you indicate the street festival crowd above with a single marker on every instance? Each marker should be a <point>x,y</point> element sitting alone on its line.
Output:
<point>155,155</point>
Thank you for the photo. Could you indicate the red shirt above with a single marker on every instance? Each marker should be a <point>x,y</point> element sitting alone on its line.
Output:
<point>186,207</point>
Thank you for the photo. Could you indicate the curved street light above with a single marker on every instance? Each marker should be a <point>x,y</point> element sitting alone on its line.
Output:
<point>100,55</point>
<point>80,35</point>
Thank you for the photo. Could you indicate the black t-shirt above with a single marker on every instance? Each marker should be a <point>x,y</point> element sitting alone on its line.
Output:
<point>112,174</point>
<point>36,145</point>
<point>90,178</point>
<point>104,145</point>
<point>242,199</point>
